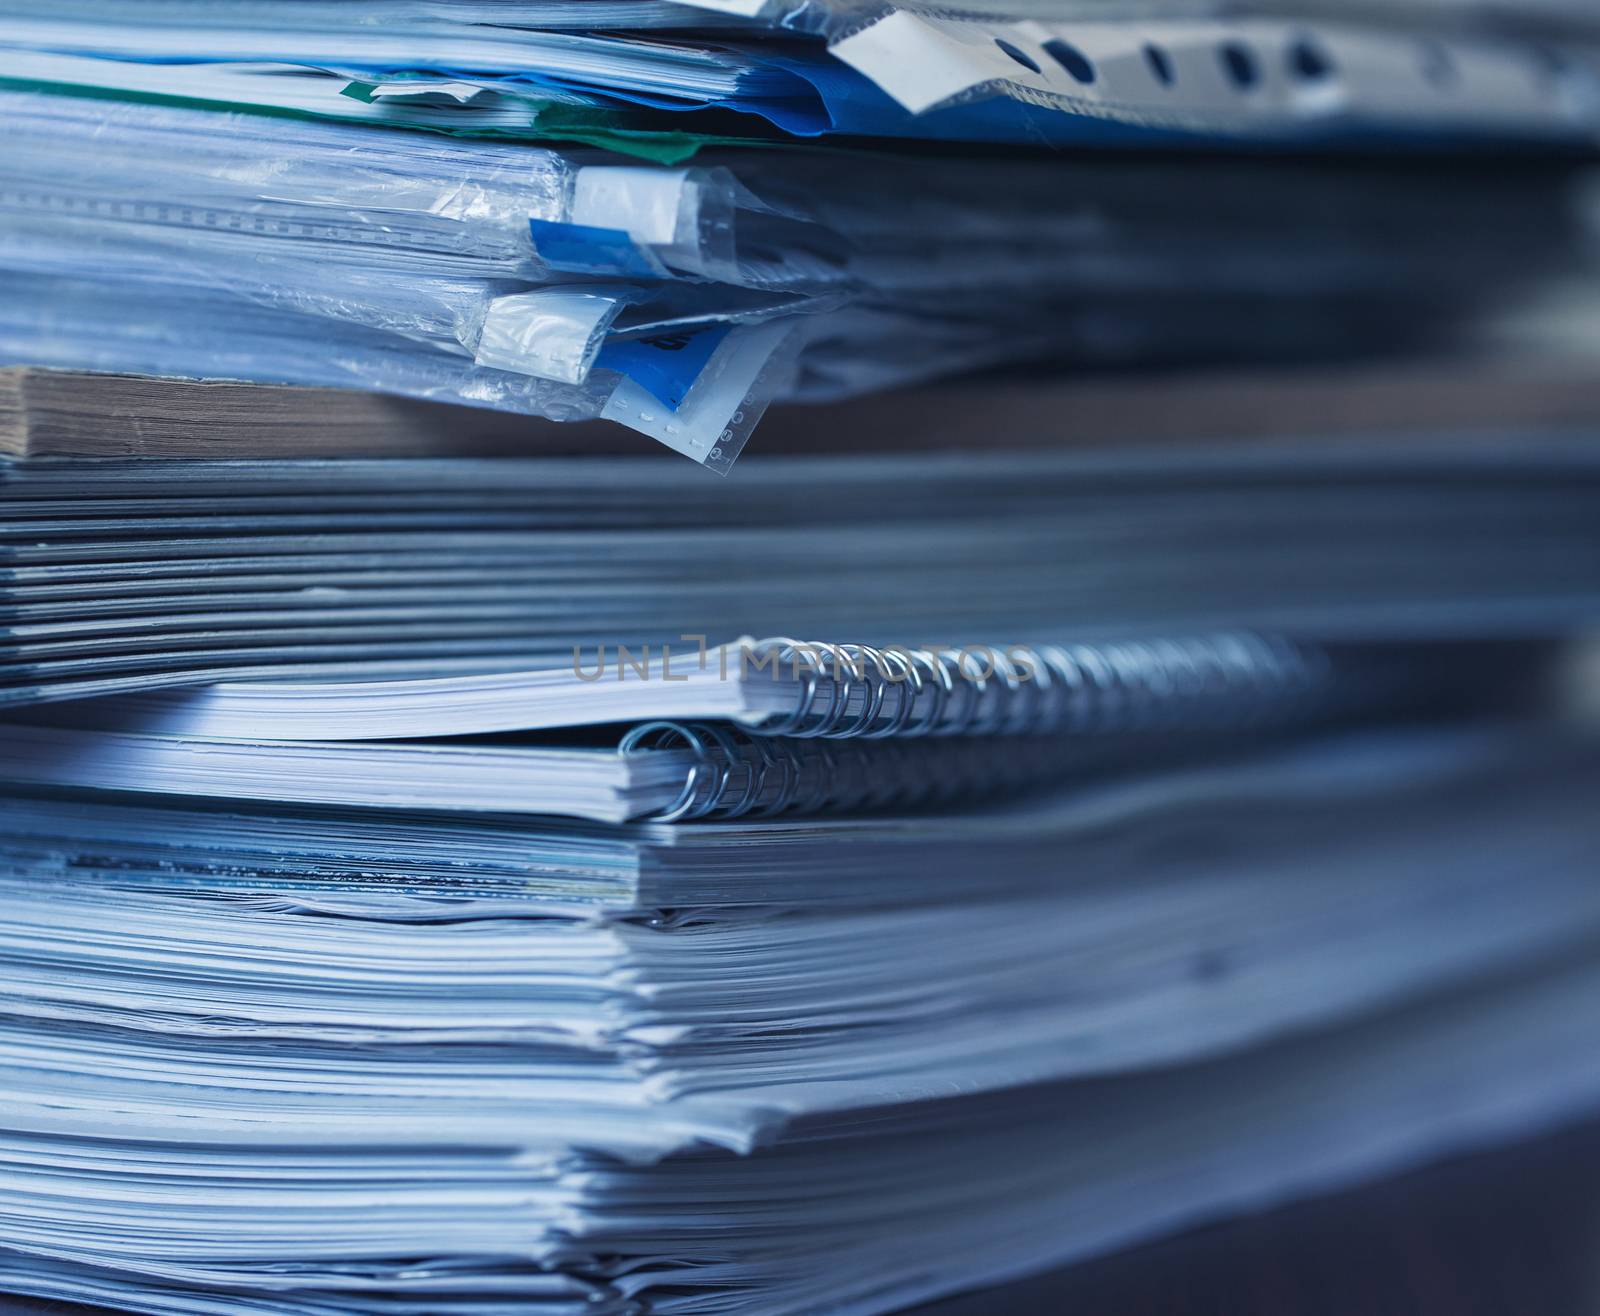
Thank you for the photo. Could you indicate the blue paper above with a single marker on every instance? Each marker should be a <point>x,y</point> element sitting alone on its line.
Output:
<point>584,249</point>
<point>667,364</point>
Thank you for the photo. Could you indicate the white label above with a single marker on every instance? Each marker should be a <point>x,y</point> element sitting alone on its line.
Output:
<point>642,201</point>
<point>460,92</point>
<point>743,8</point>
<point>551,334</point>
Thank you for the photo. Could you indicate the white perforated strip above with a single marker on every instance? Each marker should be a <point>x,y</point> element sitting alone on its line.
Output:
<point>1222,74</point>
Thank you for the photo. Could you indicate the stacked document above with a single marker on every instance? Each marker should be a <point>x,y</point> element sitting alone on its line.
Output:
<point>651,76</point>
<point>1112,755</point>
<point>622,575</point>
<point>670,215</point>
<point>445,886</point>
<point>308,1061</point>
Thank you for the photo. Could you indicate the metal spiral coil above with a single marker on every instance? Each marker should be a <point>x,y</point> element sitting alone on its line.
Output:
<point>734,774</point>
<point>860,691</point>
<point>959,733</point>
<point>769,775</point>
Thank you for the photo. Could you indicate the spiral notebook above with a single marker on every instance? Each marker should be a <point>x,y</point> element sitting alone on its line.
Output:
<point>421,864</point>
<point>920,726</point>
<point>660,770</point>
<point>795,688</point>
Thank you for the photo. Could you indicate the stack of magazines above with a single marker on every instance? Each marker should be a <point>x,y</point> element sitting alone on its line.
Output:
<point>457,860</point>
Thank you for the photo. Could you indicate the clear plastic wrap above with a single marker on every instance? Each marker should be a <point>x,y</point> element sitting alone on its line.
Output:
<point>681,300</point>
<point>432,244</point>
<point>388,15</point>
<point>552,333</point>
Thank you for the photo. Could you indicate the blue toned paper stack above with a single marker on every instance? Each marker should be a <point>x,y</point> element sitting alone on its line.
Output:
<point>397,913</point>
<point>452,869</point>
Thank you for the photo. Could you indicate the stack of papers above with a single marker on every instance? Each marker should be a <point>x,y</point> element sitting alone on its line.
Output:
<point>307,1060</point>
<point>519,219</point>
<point>1110,762</point>
<point>710,972</point>
<point>1065,72</point>
<point>125,576</point>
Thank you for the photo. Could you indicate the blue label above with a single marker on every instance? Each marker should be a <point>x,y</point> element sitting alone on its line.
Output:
<point>582,249</point>
<point>667,364</point>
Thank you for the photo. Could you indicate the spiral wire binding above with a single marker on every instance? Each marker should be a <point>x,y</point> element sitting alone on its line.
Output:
<point>1090,708</point>
<point>734,774</point>
<point>859,691</point>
